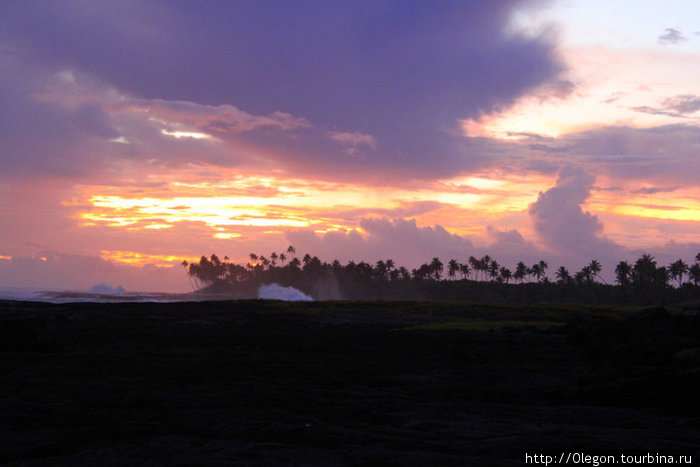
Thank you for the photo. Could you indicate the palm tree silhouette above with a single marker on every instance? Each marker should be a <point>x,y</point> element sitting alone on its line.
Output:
<point>493,270</point>
<point>584,276</point>
<point>475,266</point>
<point>452,268</point>
<point>506,274</point>
<point>436,267</point>
<point>563,276</point>
<point>464,269</point>
<point>484,263</point>
<point>390,265</point>
<point>595,268</point>
<point>536,270</point>
<point>623,272</point>
<point>380,270</point>
<point>677,269</point>
<point>694,273</point>
<point>520,271</point>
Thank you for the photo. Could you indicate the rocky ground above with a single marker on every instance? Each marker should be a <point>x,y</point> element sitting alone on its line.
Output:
<point>270,383</point>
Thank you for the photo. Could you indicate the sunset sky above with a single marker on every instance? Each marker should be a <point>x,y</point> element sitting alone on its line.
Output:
<point>134,134</point>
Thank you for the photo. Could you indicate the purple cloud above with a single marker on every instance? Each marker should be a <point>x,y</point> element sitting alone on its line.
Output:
<point>383,83</point>
<point>678,106</point>
<point>651,154</point>
<point>652,190</point>
<point>562,225</point>
<point>671,36</point>
<point>400,239</point>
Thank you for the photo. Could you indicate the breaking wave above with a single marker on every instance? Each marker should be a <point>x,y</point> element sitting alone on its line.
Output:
<point>277,292</point>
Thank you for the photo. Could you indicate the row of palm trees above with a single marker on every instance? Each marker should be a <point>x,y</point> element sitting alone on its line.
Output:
<point>286,265</point>
<point>487,268</point>
<point>645,272</point>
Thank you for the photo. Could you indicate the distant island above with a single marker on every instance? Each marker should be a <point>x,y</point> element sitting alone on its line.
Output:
<point>477,279</point>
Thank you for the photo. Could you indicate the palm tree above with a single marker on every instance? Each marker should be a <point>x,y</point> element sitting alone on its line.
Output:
<point>294,264</point>
<point>563,276</point>
<point>694,273</point>
<point>452,268</point>
<point>464,269</point>
<point>543,267</point>
<point>484,263</point>
<point>493,270</point>
<point>291,250</point>
<point>536,270</point>
<point>475,265</point>
<point>677,269</point>
<point>393,275</point>
<point>623,272</point>
<point>390,265</point>
<point>380,270</point>
<point>662,276</point>
<point>520,272</point>
<point>584,276</point>
<point>436,267</point>
<point>422,272</point>
<point>190,275</point>
<point>506,274</point>
<point>644,271</point>
<point>595,268</point>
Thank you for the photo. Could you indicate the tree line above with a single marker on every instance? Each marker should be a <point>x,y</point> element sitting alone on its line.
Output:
<point>644,280</point>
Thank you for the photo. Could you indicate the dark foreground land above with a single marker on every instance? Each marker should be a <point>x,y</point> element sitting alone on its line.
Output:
<point>343,383</point>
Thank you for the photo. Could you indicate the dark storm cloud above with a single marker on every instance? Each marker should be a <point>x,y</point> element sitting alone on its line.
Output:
<point>400,74</point>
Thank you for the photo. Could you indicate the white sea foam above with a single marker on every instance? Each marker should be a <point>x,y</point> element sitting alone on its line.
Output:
<point>277,292</point>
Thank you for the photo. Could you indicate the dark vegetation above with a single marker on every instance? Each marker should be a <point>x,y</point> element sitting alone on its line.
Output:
<point>343,383</point>
<point>482,279</point>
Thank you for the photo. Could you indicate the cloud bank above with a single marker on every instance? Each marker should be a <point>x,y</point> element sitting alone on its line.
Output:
<point>365,86</point>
